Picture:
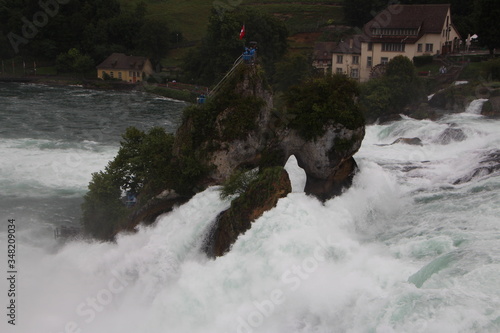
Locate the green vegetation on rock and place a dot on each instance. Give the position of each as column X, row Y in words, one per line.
column 322, row 101
column 144, row 166
column 240, row 110
column 238, row 182
column 261, row 194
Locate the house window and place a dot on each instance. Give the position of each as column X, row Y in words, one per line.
column 354, row 72
column 393, row 47
column 370, row 46
column 120, row 75
column 111, row 74
column 384, row 60
column 419, row 48
column 355, row 60
column 340, row 59
column 339, row 70
column 369, row 62
column 429, row 47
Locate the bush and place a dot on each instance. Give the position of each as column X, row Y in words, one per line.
column 102, row 209
column 238, row 182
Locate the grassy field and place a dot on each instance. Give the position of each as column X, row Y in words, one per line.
column 191, row 16
column 300, row 17
column 188, row 16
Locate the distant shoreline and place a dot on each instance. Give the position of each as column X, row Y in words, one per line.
column 98, row 84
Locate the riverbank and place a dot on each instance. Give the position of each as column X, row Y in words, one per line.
column 178, row 91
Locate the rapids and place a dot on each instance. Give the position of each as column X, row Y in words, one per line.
column 405, row 249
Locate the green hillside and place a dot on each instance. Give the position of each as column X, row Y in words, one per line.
column 191, row 16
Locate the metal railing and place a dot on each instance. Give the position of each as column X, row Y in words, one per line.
column 228, row 74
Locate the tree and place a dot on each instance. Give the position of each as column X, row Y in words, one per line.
column 222, row 46
column 142, row 166
column 487, row 27
column 291, row 71
column 154, row 39
column 102, row 208
column 359, row 12
column 318, row 102
column 390, row 94
column 74, row 61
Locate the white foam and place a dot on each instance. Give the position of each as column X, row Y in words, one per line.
column 476, row 106
column 32, row 167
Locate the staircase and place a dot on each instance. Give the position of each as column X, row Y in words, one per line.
column 453, row 70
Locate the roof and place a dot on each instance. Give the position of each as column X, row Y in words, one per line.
column 428, row 19
column 123, row 61
column 323, row 50
column 351, row 45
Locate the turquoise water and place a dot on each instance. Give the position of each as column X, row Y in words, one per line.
column 403, row 250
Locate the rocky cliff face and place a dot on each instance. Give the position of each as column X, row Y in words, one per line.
column 327, row 159
column 245, row 150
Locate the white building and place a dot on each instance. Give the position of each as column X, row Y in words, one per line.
column 409, row 30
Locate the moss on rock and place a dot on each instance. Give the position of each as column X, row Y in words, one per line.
column 261, row 195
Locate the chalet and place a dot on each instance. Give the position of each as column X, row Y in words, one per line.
column 409, row 30
column 126, row 68
column 322, row 56
column 346, row 57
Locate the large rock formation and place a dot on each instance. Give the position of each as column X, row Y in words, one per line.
column 239, row 129
column 245, row 134
column 327, row 160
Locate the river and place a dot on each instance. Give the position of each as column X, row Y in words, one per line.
column 412, row 246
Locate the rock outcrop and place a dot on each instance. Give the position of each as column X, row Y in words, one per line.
column 238, row 129
column 261, row 195
column 488, row 165
column 245, row 134
column 492, row 107
column 451, row 134
column 327, row 160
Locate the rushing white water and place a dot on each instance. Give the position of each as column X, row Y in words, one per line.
column 405, row 249
column 476, row 105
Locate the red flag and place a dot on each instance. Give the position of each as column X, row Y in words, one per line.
column 242, row 32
